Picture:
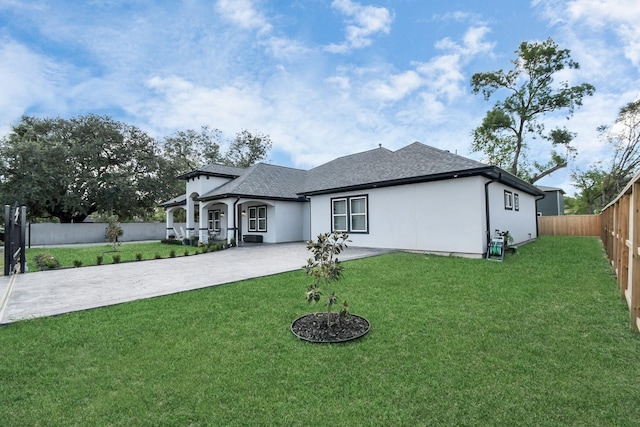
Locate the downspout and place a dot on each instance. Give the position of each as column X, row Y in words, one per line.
column 235, row 216
column 486, row 205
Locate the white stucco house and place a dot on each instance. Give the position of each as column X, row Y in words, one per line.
column 416, row 198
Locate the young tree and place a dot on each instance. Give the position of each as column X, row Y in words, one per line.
column 515, row 122
column 601, row 183
column 113, row 231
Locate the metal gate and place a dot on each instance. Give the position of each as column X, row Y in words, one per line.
column 15, row 233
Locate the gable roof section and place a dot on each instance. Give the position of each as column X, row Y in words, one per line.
column 262, row 181
column 222, row 171
column 414, row 163
column 550, row 189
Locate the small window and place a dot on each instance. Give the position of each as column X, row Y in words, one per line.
column 258, row 218
column 350, row 214
column 516, row 201
column 508, row 200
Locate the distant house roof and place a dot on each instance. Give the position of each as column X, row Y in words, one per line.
column 550, row 189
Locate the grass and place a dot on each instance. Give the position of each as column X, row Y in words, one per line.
column 87, row 255
column 541, row 339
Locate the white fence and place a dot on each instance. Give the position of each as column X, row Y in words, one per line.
column 42, row 234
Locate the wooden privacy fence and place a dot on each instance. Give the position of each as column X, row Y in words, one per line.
column 620, row 234
column 570, row 225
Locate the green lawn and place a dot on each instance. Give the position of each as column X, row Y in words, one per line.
column 541, row 339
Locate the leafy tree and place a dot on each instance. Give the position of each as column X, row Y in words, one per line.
column 513, row 123
column 69, row 169
column 248, row 149
column 602, row 182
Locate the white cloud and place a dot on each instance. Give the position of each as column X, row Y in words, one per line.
column 28, row 81
column 243, row 14
column 363, row 23
column 593, row 18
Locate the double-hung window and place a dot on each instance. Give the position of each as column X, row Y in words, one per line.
column 258, row 218
column 214, row 220
column 349, row 214
column 508, row 200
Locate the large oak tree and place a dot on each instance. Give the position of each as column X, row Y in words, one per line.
column 69, row 169
column 514, row 124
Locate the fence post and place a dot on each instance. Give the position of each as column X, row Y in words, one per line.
column 634, row 271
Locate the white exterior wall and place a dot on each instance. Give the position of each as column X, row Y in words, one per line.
column 286, row 221
column 289, row 221
column 439, row 216
column 521, row 224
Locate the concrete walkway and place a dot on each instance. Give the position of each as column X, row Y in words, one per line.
column 49, row 293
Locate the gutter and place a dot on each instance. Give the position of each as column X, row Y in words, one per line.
column 486, row 204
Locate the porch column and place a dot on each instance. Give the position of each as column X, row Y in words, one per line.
column 203, row 234
column 169, row 221
column 190, row 217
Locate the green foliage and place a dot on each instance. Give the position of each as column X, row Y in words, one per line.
column 602, row 181
column 325, row 266
column 513, row 124
column 116, row 258
column 172, row 254
column 157, row 256
column 171, row 242
column 186, row 252
column 113, row 231
column 46, row 261
column 139, row 256
column 69, row 169
column 99, row 259
column 77, row 263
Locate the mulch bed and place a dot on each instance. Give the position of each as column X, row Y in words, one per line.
column 313, row 328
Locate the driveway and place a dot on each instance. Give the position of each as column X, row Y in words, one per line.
column 55, row 292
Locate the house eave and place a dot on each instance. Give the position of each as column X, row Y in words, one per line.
column 196, row 174
column 490, row 172
column 250, row 196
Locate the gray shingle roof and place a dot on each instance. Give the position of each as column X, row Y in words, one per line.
column 262, row 180
column 381, row 165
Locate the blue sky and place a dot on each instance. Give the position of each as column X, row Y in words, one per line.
column 323, row 78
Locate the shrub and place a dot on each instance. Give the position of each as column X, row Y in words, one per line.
column 139, row 256
column 77, row 263
column 46, row 261
column 116, row 258
column 158, row 256
column 194, row 241
column 99, row 259
column 172, row 254
column 171, row 242
column 205, row 249
column 186, row 252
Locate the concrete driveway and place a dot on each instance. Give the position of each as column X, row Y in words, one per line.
column 49, row 293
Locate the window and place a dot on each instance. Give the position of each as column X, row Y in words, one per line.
column 516, row 201
column 258, row 218
column 508, row 200
column 339, row 214
column 358, row 214
column 214, row 220
column 350, row 214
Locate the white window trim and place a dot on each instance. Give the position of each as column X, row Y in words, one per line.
column 508, row 200
column 255, row 216
column 364, row 214
column 348, row 215
column 516, row 201
column 213, row 220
